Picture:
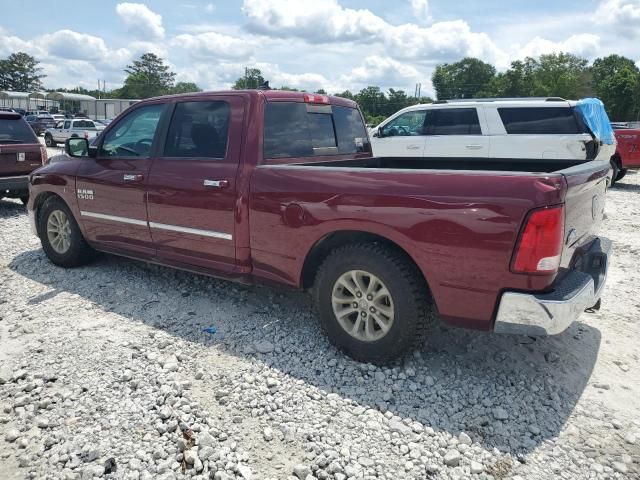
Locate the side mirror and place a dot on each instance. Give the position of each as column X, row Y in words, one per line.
column 79, row 147
column 378, row 133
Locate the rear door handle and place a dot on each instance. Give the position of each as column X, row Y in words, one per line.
column 216, row 183
column 413, row 147
column 132, row 177
column 474, row 147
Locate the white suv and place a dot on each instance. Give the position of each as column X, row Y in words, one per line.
column 496, row 128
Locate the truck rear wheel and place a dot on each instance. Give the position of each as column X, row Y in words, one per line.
column 373, row 303
column 60, row 235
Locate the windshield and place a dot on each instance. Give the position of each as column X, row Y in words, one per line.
column 16, row 131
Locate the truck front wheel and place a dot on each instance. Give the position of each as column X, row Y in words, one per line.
column 373, row 303
column 48, row 140
column 61, row 238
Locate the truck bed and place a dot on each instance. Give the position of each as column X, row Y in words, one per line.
column 450, row 163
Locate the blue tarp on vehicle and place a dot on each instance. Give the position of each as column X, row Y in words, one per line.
column 596, row 118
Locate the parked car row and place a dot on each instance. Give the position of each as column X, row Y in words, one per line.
column 293, row 194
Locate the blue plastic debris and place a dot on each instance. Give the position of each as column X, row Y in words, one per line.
column 595, row 116
column 210, row 330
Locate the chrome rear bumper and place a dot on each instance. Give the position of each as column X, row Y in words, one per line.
column 552, row 313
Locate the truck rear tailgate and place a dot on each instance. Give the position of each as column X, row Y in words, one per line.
column 584, row 206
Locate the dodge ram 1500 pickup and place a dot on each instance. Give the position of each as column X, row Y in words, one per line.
column 272, row 186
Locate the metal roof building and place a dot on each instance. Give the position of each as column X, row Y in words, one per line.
column 66, row 101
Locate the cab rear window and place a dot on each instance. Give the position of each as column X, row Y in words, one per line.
column 16, row 130
column 305, row 130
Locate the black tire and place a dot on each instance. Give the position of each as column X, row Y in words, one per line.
column 24, row 199
column 79, row 252
column 413, row 309
column 48, row 141
column 614, row 172
column 621, row 174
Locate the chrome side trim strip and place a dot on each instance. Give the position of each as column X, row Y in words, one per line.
column 159, row 226
column 193, row 231
column 113, row 218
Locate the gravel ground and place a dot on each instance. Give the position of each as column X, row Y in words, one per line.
column 113, row 370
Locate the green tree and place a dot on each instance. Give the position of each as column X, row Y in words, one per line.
column 463, row 79
column 372, row 101
column 185, row 87
column 252, row 79
column 560, row 75
column 517, row 81
column 20, row 72
column 346, row 94
column 147, row 77
column 616, row 81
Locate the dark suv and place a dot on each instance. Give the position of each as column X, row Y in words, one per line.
column 20, row 154
column 39, row 123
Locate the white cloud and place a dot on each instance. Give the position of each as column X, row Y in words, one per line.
column 141, row 21
column 622, row 14
column 420, row 10
column 209, row 8
column 584, row 45
column 211, row 45
column 328, row 21
column 376, row 70
column 315, row 21
column 74, row 45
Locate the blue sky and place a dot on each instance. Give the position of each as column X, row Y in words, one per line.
column 331, row 44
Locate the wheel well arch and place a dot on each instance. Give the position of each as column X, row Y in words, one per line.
column 39, row 202
column 323, row 247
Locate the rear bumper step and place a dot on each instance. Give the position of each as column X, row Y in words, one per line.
column 552, row 313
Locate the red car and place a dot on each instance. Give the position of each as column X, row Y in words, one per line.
column 628, row 152
column 20, row 154
column 281, row 187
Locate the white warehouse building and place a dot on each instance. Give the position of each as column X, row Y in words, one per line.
column 99, row 108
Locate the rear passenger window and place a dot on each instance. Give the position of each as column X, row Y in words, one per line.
column 304, row 130
column 541, row 121
column 453, row 121
column 198, row 130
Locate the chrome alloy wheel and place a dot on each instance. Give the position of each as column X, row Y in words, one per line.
column 362, row 305
column 59, row 231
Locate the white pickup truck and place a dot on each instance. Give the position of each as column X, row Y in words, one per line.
column 70, row 128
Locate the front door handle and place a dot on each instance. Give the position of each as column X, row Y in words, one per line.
column 474, row 147
column 128, row 177
column 216, row 183
column 413, row 147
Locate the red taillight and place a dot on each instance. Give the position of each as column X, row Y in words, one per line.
column 540, row 245
column 316, row 98
column 43, row 155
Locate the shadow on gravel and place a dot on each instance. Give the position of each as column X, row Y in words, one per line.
column 512, row 393
column 629, row 187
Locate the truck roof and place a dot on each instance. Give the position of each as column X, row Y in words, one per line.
column 269, row 95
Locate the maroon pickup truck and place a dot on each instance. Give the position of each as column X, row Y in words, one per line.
column 20, row 154
column 272, row 186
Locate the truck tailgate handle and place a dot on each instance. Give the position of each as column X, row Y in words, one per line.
column 413, row 147
column 132, row 177
column 216, row 183
column 474, row 147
